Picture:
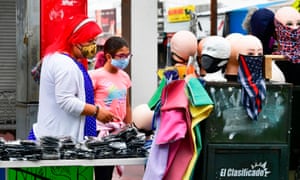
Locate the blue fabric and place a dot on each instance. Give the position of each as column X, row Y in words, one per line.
column 253, row 85
column 90, row 121
column 262, row 26
column 31, row 135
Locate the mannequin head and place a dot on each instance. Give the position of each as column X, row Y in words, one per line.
column 200, row 45
column 250, row 45
column 288, row 16
column 183, row 44
column 287, row 28
column 199, row 52
column 142, row 117
column 250, row 59
column 233, row 64
column 215, row 53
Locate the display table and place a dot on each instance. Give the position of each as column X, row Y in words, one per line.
column 74, row 162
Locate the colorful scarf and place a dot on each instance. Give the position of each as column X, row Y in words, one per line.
column 289, row 42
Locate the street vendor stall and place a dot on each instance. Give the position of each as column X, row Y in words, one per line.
column 61, row 158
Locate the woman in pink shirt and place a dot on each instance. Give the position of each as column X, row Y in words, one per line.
column 111, row 84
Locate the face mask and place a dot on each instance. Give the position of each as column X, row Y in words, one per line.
column 289, row 41
column 211, row 64
column 89, row 51
column 120, row 63
column 174, row 61
column 252, row 63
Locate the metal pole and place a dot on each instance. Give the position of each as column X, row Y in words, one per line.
column 213, row 17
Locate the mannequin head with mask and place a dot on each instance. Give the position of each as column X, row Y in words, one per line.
column 214, row 57
column 183, row 44
column 199, row 52
column 260, row 23
column 251, row 53
column 287, row 28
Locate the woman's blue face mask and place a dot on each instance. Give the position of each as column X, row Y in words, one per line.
column 120, row 63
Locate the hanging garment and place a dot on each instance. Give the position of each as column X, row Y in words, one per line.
column 158, row 156
column 189, row 174
column 196, row 93
column 200, row 108
column 198, row 114
column 253, row 85
column 175, row 129
column 157, row 94
column 168, row 75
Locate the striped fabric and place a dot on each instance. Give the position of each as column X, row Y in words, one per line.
column 250, row 76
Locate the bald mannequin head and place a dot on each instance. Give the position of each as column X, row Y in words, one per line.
column 234, row 40
column 288, row 16
column 250, row 45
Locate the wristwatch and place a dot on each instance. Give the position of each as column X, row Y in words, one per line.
column 96, row 112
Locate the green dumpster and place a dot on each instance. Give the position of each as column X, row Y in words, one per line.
column 236, row 147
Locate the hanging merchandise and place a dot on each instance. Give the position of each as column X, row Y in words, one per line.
column 253, row 85
column 181, row 106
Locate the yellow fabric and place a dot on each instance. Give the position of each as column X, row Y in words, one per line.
column 296, row 5
column 180, row 69
column 198, row 114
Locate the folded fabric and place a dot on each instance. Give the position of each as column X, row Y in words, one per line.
column 171, row 74
column 180, row 69
column 173, row 118
column 197, row 93
column 198, row 114
column 173, row 126
column 175, row 129
column 180, row 154
column 189, row 174
column 157, row 94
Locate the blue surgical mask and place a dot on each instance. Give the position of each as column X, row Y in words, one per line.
column 120, row 63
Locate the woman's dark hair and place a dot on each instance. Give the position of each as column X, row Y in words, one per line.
column 114, row 44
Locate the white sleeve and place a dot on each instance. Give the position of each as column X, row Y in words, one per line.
column 69, row 86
